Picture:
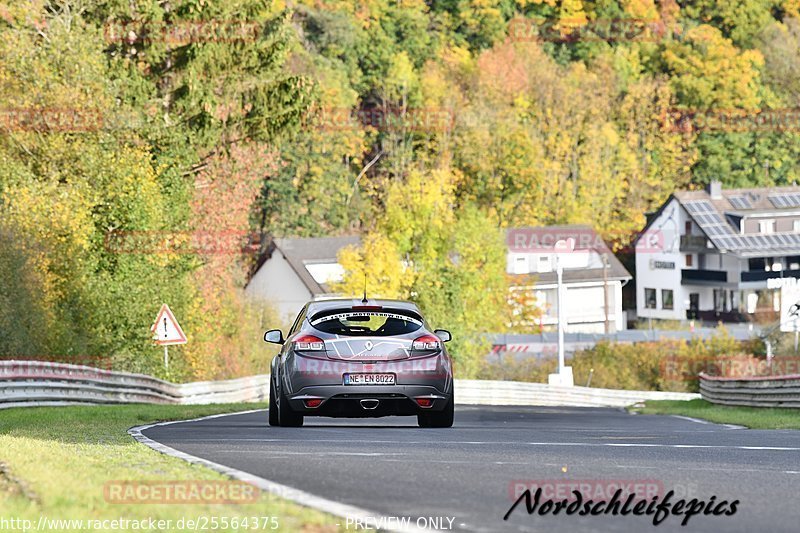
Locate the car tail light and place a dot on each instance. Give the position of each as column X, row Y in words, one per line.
column 313, row 403
column 309, row 343
column 426, row 342
column 424, row 402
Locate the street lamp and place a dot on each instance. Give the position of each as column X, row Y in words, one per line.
column 564, row 375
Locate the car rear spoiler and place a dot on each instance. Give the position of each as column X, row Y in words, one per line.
column 366, row 309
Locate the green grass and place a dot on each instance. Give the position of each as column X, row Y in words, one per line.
column 751, row 417
column 55, row 461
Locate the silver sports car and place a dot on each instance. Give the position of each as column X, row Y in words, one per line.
column 361, row 358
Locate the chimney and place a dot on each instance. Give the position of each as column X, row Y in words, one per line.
column 714, row 189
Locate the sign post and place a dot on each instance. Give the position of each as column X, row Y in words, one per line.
column 166, row 331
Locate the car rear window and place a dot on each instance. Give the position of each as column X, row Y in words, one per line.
column 367, row 323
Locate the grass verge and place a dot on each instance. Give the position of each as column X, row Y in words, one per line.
column 751, row 417
column 57, row 462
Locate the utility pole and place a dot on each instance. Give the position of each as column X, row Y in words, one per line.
column 605, row 293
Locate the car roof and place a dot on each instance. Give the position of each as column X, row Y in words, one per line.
column 339, row 303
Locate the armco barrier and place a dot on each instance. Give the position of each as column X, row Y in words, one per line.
column 484, row 392
column 768, row 391
column 25, row 383
column 36, row 383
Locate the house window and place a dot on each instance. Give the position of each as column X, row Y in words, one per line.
column 687, row 227
column 666, row 298
column 766, row 226
column 650, row 298
column 521, row 265
column 688, row 260
column 756, row 264
column 543, row 265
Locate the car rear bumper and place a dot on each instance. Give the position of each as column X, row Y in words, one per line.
column 369, row 401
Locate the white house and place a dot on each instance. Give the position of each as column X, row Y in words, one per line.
column 719, row 254
column 293, row 271
column 593, row 277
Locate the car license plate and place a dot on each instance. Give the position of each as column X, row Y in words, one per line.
column 369, row 379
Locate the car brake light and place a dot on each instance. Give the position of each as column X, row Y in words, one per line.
column 313, row 403
column 426, row 342
column 309, row 343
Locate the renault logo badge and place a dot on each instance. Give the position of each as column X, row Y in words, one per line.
column 368, row 345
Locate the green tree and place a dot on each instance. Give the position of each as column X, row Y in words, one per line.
column 452, row 263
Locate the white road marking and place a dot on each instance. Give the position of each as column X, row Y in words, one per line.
column 280, row 456
column 706, row 422
column 517, row 443
column 321, row 454
column 680, row 446
column 690, row 419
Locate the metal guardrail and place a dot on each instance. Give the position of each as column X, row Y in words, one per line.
column 26, row 383
column 37, row 383
column 768, row 391
column 485, row 392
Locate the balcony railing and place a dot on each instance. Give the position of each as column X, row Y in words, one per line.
column 693, row 243
column 716, row 316
column 702, row 277
column 763, row 275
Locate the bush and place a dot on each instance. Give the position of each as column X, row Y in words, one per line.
column 669, row 365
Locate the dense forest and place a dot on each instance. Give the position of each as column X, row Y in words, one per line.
column 427, row 127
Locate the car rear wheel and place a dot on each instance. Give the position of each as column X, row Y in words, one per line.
column 438, row 419
column 273, row 406
column 286, row 417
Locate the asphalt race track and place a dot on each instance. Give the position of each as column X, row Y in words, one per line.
column 393, row 468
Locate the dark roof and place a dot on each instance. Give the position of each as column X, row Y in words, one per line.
column 715, row 216
column 300, row 251
column 586, row 238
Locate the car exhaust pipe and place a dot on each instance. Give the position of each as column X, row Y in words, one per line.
column 370, row 404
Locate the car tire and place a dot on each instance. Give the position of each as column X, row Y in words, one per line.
column 286, row 417
column 274, row 420
column 438, row 419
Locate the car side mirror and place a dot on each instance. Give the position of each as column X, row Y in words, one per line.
column 443, row 334
column 274, row 336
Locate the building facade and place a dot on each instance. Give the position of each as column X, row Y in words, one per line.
column 592, row 275
column 719, row 254
column 294, row 271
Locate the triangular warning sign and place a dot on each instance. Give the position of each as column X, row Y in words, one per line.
column 166, row 330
